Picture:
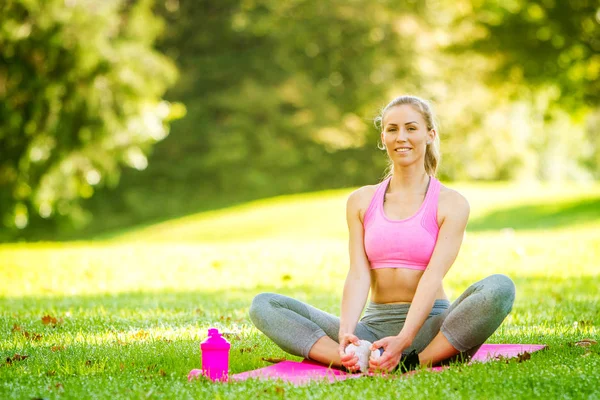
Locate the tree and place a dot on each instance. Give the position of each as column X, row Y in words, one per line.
column 520, row 75
column 280, row 98
column 80, row 91
column 544, row 43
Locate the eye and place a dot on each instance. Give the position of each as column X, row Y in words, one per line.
column 412, row 128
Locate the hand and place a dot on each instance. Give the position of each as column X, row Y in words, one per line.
column 393, row 347
column 350, row 361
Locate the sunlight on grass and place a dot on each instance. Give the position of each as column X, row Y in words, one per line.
column 134, row 308
column 322, row 215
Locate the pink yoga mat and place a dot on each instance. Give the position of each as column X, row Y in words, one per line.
column 308, row 371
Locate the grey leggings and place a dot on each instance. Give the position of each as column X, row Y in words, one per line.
column 467, row 323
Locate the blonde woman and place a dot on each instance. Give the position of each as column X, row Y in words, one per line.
column 405, row 234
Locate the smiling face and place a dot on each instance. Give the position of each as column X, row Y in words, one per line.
column 405, row 135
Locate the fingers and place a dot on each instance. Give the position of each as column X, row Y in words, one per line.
column 381, row 360
column 352, row 339
column 384, row 363
column 379, row 344
column 350, row 361
column 381, row 368
column 347, row 339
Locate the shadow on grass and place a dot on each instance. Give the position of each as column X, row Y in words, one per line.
column 110, row 221
column 539, row 216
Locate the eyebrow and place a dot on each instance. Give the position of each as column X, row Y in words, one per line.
column 407, row 123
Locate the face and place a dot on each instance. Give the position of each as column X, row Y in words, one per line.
column 405, row 135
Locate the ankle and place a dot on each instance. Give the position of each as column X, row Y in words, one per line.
column 409, row 362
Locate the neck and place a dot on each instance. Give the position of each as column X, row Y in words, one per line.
column 408, row 179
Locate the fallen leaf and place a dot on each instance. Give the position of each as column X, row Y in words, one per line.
column 57, row 348
column 32, row 336
column 248, row 349
column 16, row 357
column 50, row 320
column 273, row 360
column 524, row 357
column 586, row 343
column 121, row 366
column 88, row 363
column 279, row 390
column 16, row 328
column 231, row 335
column 162, row 372
column 47, row 320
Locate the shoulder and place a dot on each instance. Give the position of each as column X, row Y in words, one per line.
column 452, row 204
column 359, row 200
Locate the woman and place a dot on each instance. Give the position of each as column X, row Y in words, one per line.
column 405, row 234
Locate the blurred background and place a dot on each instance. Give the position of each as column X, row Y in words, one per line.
column 121, row 113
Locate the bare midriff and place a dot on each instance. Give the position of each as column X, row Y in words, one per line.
column 397, row 285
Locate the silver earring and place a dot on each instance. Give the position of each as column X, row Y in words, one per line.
column 380, row 146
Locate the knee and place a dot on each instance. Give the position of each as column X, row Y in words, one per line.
column 503, row 291
column 260, row 306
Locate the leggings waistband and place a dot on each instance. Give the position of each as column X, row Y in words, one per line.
column 439, row 303
column 381, row 312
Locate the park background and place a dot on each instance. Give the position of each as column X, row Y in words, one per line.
column 156, row 154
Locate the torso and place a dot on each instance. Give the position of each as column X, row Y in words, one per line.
column 398, row 285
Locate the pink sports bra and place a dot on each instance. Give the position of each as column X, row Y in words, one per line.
column 406, row 243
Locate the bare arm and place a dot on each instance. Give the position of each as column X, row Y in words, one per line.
column 455, row 214
column 358, row 280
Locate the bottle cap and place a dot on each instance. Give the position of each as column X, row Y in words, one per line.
column 215, row 341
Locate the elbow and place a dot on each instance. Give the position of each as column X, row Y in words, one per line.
column 360, row 275
column 433, row 277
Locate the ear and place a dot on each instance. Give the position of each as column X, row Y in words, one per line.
column 431, row 135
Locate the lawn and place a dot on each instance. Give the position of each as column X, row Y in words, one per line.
column 122, row 316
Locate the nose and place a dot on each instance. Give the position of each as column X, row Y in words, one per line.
column 402, row 135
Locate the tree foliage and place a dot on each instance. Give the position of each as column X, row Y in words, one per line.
column 80, row 90
column 548, row 43
column 280, row 97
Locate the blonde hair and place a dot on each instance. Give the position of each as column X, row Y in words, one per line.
column 432, row 151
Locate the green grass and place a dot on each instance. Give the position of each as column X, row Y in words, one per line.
column 135, row 305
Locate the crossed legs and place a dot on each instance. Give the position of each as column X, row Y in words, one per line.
column 458, row 332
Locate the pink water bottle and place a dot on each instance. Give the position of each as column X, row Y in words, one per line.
column 215, row 356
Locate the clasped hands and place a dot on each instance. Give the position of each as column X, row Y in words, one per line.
column 389, row 359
